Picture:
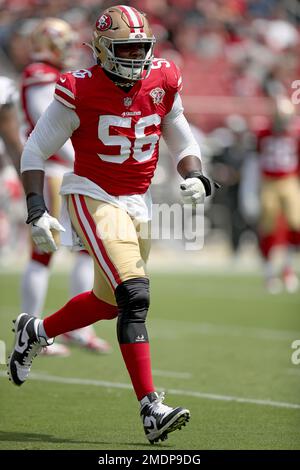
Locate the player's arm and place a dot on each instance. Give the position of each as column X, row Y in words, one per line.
column 38, row 98
column 53, row 129
column 9, row 131
column 183, row 146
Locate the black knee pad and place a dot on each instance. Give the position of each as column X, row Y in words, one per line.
column 133, row 301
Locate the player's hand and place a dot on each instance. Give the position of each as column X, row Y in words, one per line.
column 41, row 232
column 196, row 187
column 193, row 191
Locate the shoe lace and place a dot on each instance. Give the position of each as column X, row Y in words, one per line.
column 33, row 350
column 158, row 407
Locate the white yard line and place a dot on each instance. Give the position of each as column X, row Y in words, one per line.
column 175, row 375
column 187, row 393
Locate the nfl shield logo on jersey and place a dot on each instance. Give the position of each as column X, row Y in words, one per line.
column 157, row 94
column 127, row 101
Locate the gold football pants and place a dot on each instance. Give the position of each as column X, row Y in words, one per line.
column 280, row 196
column 118, row 244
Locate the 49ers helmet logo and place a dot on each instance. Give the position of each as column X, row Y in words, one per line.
column 104, row 22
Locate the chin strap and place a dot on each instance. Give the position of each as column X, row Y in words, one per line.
column 124, row 85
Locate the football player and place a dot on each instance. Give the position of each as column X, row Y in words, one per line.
column 9, row 124
column 278, row 147
column 52, row 40
column 115, row 113
column 10, row 153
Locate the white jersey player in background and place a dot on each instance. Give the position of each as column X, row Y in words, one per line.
column 51, row 40
column 9, row 125
column 11, row 190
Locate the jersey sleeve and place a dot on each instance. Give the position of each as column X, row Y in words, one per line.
column 172, row 82
column 173, row 78
column 38, row 74
column 65, row 90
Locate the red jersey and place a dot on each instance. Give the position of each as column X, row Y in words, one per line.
column 279, row 153
column 116, row 143
column 35, row 75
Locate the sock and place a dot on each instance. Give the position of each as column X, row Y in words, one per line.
column 41, row 331
column 137, row 359
column 294, row 238
column 81, row 280
column 42, row 258
column 147, row 399
column 34, row 286
column 288, row 258
column 82, row 310
column 82, row 275
column 269, row 270
column 266, row 243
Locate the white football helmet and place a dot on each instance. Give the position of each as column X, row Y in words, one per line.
column 52, row 40
column 122, row 24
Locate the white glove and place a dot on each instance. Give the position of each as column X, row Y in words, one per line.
column 193, row 191
column 41, row 232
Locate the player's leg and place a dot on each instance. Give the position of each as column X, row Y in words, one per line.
column 167, row 419
column 111, row 236
column 34, row 283
column 33, row 334
column 290, row 199
column 82, row 274
column 269, row 216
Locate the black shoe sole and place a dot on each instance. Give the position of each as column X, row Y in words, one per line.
column 178, row 424
column 16, row 382
column 10, row 377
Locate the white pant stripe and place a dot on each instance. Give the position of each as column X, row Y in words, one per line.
column 132, row 16
column 93, row 242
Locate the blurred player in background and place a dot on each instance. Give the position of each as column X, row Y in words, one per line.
column 115, row 113
column 230, row 149
column 278, row 147
column 9, row 124
column 11, row 191
column 52, row 41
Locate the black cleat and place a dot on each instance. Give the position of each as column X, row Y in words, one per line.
column 159, row 419
column 28, row 345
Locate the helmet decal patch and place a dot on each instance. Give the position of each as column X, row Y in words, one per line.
column 104, row 22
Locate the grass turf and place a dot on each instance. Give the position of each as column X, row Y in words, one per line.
column 210, row 335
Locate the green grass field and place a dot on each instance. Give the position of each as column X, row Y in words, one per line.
column 220, row 346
